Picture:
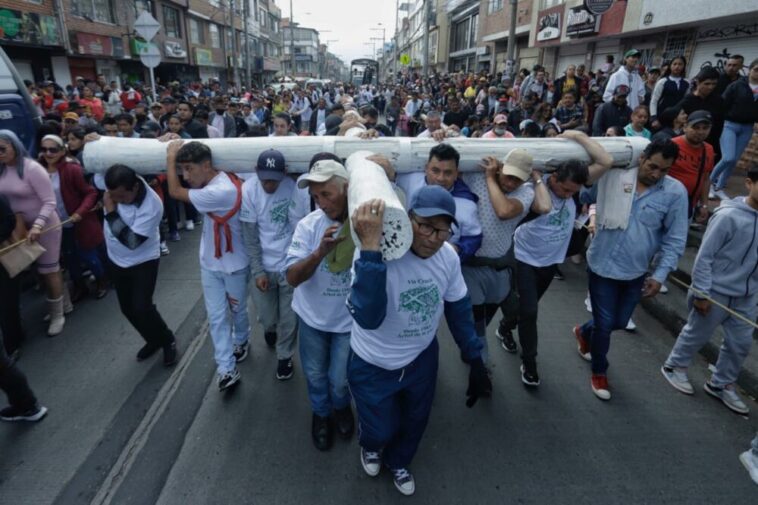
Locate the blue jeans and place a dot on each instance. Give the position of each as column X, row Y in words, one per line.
column 613, row 302
column 324, row 357
column 734, row 140
column 394, row 405
column 226, row 304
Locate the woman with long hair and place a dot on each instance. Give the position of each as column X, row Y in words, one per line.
column 669, row 90
column 30, row 193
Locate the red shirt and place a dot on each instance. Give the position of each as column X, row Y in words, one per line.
column 130, row 99
column 687, row 167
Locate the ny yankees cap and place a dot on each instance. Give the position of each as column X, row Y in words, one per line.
column 270, row 165
column 322, row 171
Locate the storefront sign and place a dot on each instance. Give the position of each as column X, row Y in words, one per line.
column 28, row 28
column 175, row 50
column 549, row 26
column 598, row 7
column 138, row 47
column 203, row 57
column 99, row 45
column 580, row 21
column 271, row 65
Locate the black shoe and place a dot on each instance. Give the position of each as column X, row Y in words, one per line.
column 559, row 275
column 228, row 379
column 169, row 354
column 345, row 422
column 285, row 370
column 146, row 351
column 15, row 414
column 506, row 340
column 270, row 337
column 529, row 375
column 241, row 351
column 322, row 432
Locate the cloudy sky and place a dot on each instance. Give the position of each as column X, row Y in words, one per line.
column 349, row 23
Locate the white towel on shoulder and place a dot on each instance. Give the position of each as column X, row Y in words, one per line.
column 615, row 196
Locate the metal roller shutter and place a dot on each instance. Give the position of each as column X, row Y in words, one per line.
column 715, row 53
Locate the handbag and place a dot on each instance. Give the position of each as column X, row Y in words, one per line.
column 18, row 258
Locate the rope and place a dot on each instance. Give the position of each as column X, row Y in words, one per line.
column 51, row 228
column 721, row 305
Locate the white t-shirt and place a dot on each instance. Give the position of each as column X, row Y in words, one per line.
column 319, row 301
column 544, row 241
column 271, row 212
column 497, row 234
column 219, row 197
column 416, row 291
column 143, row 219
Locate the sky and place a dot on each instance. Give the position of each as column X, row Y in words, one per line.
column 349, row 22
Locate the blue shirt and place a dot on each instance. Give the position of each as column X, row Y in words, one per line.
column 657, row 224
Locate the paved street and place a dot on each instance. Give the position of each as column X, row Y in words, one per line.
column 135, row 433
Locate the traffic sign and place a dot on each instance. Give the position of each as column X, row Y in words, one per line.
column 146, row 26
column 150, row 56
column 405, row 59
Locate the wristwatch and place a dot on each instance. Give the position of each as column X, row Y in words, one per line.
column 538, row 181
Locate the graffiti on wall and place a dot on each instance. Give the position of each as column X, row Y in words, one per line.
column 729, row 32
column 719, row 61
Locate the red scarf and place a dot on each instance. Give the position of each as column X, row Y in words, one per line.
column 222, row 222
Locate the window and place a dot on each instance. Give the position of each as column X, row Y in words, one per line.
column 262, row 17
column 171, row 24
column 494, row 6
column 141, row 6
column 474, row 30
column 546, row 4
column 228, row 40
column 215, row 39
column 96, row 10
column 197, row 35
column 273, row 24
column 461, row 35
column 676, row 44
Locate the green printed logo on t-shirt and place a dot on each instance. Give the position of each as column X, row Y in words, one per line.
column 422, row 302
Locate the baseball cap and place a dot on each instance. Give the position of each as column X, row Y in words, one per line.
column 518, row 163
column 79, row 78
column 151, row 126
column 500, row 118
column 322, row 171
column 433, row 200
column 168, row 99
column 699, row 116
column 632, row 52
column 270, row 166
column 71, row 115
column 621, row 90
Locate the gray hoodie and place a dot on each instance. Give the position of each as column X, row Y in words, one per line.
column 727, row 262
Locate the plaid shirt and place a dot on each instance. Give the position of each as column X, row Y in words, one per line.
column 564, row 115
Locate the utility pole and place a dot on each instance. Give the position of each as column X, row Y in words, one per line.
column 510, row 66
column 427, row 16
column 248, row 68
column 235, row 69
column 292, row 41
column 395, row 55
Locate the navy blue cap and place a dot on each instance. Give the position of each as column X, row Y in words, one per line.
column 433, row 200
column 699, row 116
column 270, row 165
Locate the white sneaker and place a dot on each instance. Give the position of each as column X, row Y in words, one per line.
column 750, row 462
column 664, row 289
column 404, row 481
column 164, row 249
column 721, row 195
column 371, row 462
column 728, row 396
column 588, row 304
column 189, row 225
column 630, row 326
column 677, row 377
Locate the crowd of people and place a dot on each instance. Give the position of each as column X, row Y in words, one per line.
column 481, row 243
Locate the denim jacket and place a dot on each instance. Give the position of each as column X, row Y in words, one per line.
column 657, row 225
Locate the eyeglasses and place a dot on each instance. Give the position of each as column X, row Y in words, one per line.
column 51, row 150
column 428, row 230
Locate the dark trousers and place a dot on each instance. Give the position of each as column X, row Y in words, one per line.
column 531, row 284
column 613, row 302
column 10, row 312
column 393, row 405
column 13, row 382
column 134, row 287
column 483, row 315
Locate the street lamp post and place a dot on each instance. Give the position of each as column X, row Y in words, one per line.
column 384, row 56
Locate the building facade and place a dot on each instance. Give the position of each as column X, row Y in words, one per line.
column 306, row 50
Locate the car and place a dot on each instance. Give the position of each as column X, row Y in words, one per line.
column 17, row 110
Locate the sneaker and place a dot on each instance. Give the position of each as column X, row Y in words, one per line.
column 530, row 377
column 345, row 422
column 371, row 462
column 581, row 344
column 15, row 414
column 588, row 304
column 322, row 432
column 270, row 338
column 558, row 276
column 630, row 326
column 285, row 370
column 170, row 354
column 164, row 249
column 189, row 225
column 600, row 386
column 404, row 481
column 506, row 341
column 146, row 351
column 241, row 351
column 664, row 289
column 228, row 379
column 174, row 236
column 728, row 395
column 721, row 195
column 750, row 462
column 677, row 377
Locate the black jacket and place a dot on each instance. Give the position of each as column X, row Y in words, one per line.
column 196, row 130
column 739, row 104
column 609, row 114
column 7, row 217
